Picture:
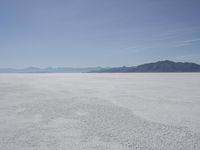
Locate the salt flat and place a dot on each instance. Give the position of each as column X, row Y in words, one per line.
column 100, row 111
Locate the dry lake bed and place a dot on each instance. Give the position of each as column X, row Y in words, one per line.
column 149, row 111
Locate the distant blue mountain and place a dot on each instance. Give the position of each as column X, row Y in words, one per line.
column 160, row 66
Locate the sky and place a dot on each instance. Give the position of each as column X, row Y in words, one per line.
column 89, row 33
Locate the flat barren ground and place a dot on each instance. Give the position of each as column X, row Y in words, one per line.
column 100, row 111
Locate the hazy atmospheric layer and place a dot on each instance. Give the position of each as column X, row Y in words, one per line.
column 100, row 111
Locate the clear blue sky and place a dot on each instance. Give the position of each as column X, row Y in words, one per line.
column 81, row 33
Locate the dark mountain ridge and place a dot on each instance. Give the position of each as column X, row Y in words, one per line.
column 160, row 66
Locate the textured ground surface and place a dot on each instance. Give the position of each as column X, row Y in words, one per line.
column 99, row 111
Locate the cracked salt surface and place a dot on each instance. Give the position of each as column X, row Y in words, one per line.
column 99, row 111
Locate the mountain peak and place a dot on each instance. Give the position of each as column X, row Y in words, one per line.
column 166, row 61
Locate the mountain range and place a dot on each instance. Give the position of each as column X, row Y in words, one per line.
column 160, row 66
